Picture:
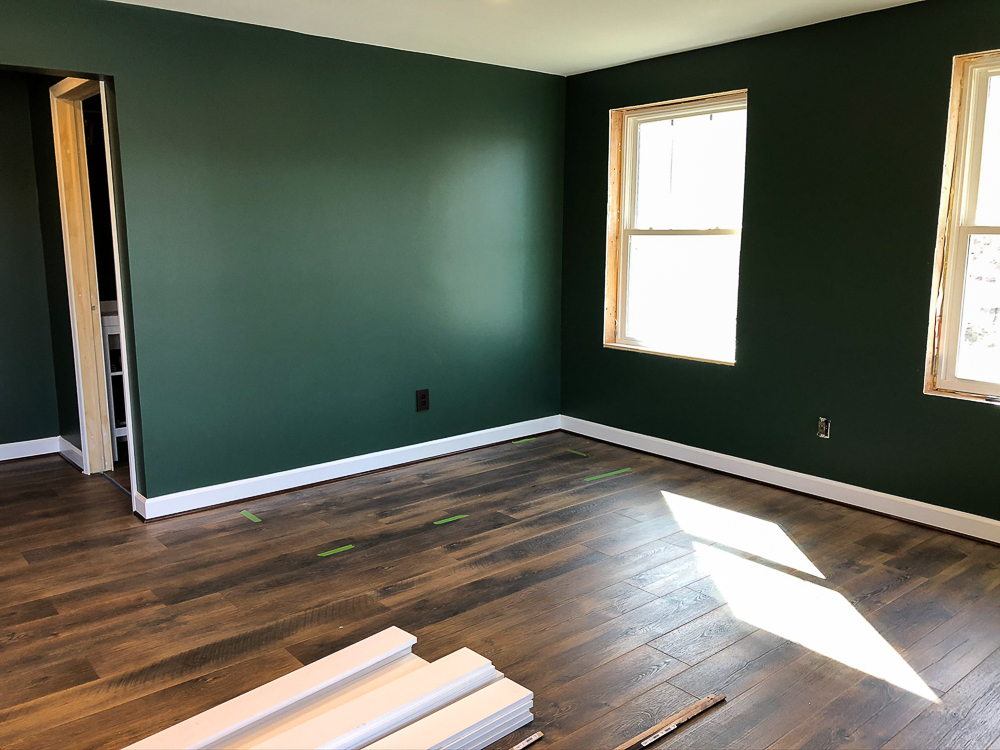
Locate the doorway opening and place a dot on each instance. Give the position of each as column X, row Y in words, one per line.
column 90, row 233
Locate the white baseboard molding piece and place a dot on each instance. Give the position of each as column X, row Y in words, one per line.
column 260, row 732
column 342, row 669
column 29, row 448
column 139, row 504
column 466, row 722
column 71, row 453
column 493, row 730
column 205, row 497
column 496, row 732
column 384, row 710
column 955, row 521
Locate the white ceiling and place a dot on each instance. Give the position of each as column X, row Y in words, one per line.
column 552, row 36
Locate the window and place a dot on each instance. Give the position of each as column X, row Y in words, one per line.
column 675, row 215
column 964, row 345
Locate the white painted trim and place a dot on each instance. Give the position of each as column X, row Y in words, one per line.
column 72, row 454
column 339, row 668
column 465, row 721
column 204, row 497
column 28, row 448
column 946, row 519
column 489, row 736
column 938, row 517
column 391, row 707
column 120, row 297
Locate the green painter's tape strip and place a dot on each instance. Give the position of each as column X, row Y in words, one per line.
column 524, row 440
column 335, row 551
column 609, row 474
column 576, row 452
column 250, row 515
column 449, row 520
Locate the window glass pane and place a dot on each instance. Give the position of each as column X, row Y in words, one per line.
column 988, row 204
column 979, row 341
column 681, row 296
column 690, row 172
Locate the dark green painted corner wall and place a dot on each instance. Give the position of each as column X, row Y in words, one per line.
column 316, row 229
column 28, row 408
column 846, row 141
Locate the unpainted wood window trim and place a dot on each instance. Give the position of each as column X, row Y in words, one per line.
column 970, row 74
column 620, row 199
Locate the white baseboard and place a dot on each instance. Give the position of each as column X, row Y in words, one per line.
column 938, row 517
column 71, row 453
column 139, row 504
column 204, row 497
column 28, row 448
column 946, row 519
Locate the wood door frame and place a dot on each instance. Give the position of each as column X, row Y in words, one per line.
column 96, row 430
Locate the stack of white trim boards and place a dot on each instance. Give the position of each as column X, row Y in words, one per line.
column 375, row 694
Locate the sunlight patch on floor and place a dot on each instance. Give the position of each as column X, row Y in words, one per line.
column 754, row 536
column 810, row 614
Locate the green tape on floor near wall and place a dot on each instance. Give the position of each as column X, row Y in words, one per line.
column 570, row 450
column 250, row 515
column 523, row 440
column 609, row 474
column 335, row 551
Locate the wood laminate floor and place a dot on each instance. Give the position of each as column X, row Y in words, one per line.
column 617, row 605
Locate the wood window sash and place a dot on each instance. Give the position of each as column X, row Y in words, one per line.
column 955, row 223
column 619, row 225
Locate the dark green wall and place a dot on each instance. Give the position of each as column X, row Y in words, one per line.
column 845, row 144
column 315, row 230
column 27, row 382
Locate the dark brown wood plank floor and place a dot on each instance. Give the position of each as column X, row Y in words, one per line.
column 843, row 630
